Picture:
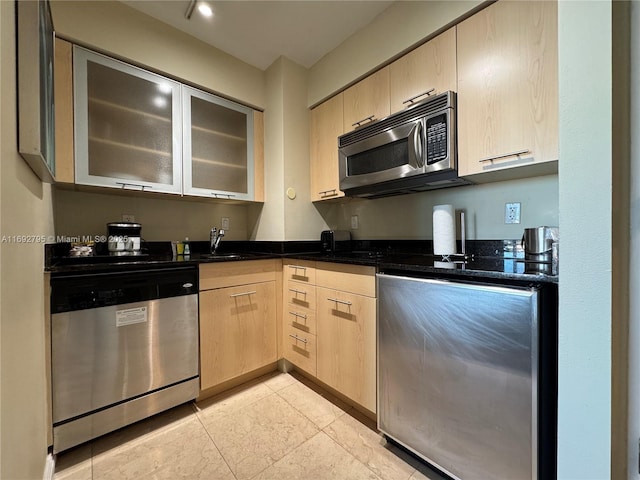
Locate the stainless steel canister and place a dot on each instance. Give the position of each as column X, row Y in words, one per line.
column 537, row 243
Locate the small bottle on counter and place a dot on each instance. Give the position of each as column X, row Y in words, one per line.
column 187, row 247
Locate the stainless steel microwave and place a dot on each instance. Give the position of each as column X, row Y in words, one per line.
column 409, row 151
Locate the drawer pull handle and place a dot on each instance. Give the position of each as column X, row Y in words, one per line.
column 343, row 302
column 303, row 340
column 511, row 154
column 329, row 193
column 299, row 315
column 242, row 294
column 427, row 93
column 368, row 119
column 297, row 267
column 301, row 292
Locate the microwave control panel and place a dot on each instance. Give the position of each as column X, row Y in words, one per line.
column 436, row 128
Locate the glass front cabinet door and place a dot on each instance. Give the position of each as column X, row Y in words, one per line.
column 218, row 151
column 127, row 126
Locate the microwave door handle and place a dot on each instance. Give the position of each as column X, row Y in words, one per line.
column 416, row 159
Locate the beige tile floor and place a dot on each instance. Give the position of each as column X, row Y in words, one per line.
column 279, row 427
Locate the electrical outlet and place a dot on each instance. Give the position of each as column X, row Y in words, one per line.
column 354, row 222
column 128, row 217
column 512, row 213
column 225, row 223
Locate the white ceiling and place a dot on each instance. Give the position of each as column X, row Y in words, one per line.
column 258, row 32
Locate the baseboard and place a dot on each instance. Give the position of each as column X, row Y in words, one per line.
column 49, row 467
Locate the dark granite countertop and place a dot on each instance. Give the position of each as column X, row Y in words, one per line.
column 498, row 268
column 488, row 260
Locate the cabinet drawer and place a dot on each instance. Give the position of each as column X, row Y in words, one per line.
column 300, row 295
column 300, row 271
column 300, row 318
column 228, row 274
column 356, row 279
column 300, row 349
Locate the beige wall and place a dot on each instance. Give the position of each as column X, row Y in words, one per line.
column 401, row 26
column 410, row 216
column 25, row 209
column 268, row 220
column 286, row 159
column 122, row 31
column 163, row 217
column 634, row 258
column 302, row 220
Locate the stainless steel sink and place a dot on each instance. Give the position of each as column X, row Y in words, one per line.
column 220, row 256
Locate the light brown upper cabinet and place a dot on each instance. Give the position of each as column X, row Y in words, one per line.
column 63, row 91
column 508, row 91
column 367, row 100
column 428, row 70
column 325, row 127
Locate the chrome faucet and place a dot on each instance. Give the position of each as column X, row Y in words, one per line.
column 214, row 239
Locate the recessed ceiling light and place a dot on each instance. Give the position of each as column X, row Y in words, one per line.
column 205, row 10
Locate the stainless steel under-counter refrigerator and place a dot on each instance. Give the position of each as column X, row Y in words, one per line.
column 467, row 377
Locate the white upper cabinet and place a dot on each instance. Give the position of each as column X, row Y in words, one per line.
column 218, row 151
column 127, row 126
column 136, row 130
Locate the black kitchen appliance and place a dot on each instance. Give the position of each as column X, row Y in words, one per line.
column 335, row 241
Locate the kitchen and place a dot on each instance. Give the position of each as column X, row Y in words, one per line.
column 589, row 433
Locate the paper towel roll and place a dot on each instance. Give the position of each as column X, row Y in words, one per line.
column 444, row 230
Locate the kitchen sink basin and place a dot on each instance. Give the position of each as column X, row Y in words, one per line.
column 220, row 256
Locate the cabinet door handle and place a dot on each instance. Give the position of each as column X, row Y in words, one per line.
column 427, row 93
column 297, row 267
column 342, row 302
column 242, row 294
column 297, row 338
column 299, row 315
column 496, row 157
column 301, row 292
column 368, row 119
column 222, row 195
column 123, row 185
column 329, row 193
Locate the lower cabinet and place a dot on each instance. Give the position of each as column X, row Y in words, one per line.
column 347, row 344
column 330, row 326
column 237, row 323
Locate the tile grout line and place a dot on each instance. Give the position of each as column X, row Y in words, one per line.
column 351, row 454
column 91, row 461
column 195, row 412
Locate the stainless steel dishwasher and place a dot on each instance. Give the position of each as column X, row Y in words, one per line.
column 466, row 375
column 124, row 346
